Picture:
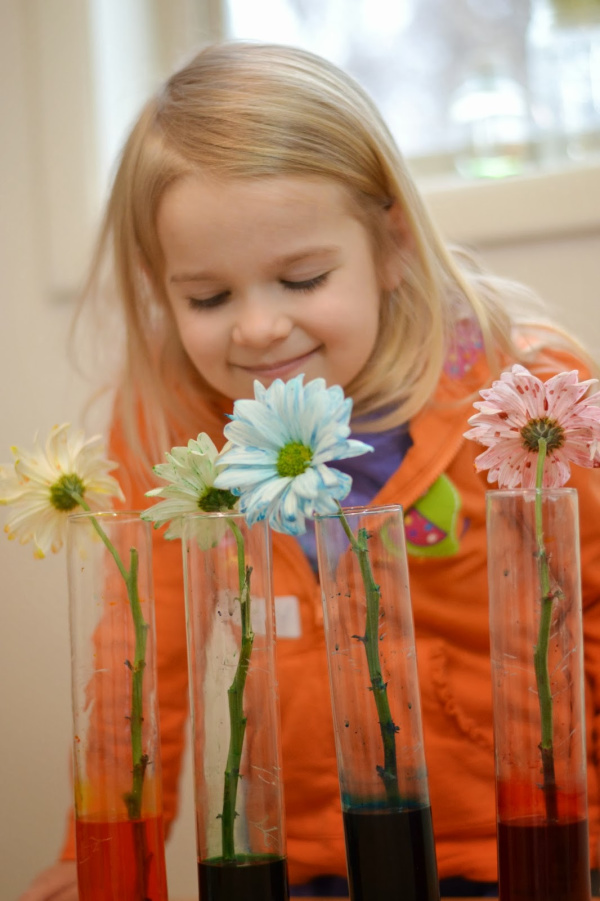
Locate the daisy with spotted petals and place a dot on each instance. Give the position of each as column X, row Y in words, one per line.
column 533, row 431
column 526, row 423
column 44, row 485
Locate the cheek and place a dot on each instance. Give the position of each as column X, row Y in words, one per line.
column 357, row 312
column 196, row 339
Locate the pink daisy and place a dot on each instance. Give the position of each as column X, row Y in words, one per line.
column 518, row 410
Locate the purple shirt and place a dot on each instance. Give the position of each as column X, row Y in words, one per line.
column 369, row 472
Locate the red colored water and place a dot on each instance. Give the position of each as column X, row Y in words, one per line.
column 544, row 861
column 122, row 860
column 525, row 798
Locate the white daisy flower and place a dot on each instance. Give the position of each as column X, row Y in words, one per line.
column 45, row 485
column 279, row 444
column 191, row 472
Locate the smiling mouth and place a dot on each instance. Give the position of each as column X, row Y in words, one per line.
column 281, row 366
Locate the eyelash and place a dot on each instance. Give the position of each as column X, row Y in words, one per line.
column 308, row 285
column 209, row 303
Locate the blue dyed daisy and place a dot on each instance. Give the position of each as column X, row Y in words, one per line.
column 279, row 445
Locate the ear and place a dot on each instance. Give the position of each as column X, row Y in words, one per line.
column 399, row 242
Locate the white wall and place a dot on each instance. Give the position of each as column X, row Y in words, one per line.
column 47, row 166
column 40, row 388
column 543, row 230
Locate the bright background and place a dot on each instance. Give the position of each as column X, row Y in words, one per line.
column 72, row 75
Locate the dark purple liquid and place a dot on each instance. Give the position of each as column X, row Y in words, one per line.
column 253, row 879
column 544, row 862
column 391, row 855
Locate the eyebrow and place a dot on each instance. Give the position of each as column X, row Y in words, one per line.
column 285, row 260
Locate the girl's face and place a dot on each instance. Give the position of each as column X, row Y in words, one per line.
column 267, row 279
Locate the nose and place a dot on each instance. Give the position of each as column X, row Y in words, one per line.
column 260, row 322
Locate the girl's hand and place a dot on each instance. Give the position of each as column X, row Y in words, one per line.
column 57, row 883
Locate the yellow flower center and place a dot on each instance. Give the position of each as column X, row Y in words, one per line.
column 216, row 499
column 293, row 459
column 545, row 428
column 66, row 493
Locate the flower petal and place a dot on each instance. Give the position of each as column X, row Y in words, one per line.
column 519, row 401
column 26, row 486
column 288, row 413
column 190, row 472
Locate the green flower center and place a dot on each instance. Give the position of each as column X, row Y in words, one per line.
column 542, row 428
column 293, row 459
column 62, row 492
column 214, row 500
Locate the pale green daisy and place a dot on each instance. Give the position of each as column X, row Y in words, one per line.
column 190, row 472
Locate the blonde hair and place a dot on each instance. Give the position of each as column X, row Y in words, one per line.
column 246, row 110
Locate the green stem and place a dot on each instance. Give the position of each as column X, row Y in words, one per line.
column 389, row 771
column 540, row 656
column 133, row 799
column 235, row 694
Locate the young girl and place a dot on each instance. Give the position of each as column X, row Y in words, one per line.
column 262, row 224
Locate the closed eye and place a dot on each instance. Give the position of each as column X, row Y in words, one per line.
column 308, row 284
column 206, row 303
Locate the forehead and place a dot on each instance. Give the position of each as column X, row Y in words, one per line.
column 220, row 216
column 265, row 199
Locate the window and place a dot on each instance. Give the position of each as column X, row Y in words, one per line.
column 485, row 88
column 482, row 87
